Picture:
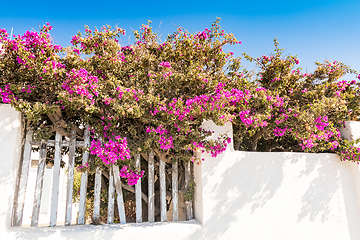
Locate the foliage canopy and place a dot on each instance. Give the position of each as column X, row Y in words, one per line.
column 154, row 96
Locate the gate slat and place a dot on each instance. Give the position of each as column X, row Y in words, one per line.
column 39, row 185
column 175, row 200
column 70, row 179
column 138, row 192
column 151, row 208
column 19, row 198
column 110, row 215
column 162, row 192
column 84, row 178
column 56, row 180
column 189, row 208
column 97, row 190
column 119, row 194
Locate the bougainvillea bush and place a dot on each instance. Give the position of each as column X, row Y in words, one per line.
column 296, row 111
column 153, row 95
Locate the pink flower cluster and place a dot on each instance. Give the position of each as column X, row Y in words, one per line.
column 166, row 140
column 333, row 67
column 110, row 151
column 275, row 79
column 136, row 93
column 32, row 40
column 321, row 122
column 283, row 117
column 52, row 65
column 122, row 31
column 83, row 168
column 307, row 144
column 327, row 136
column 187, row 110
column 266, row 58
column 167, row 74
column 351, row 154
column 6, row 94
column 314, row 138
column 28, row 89
column 47, row 27
column 245, row 118
column 279, row 132
column 20, row 61
column 216, row 148
column 203, row 35
column 3, row 34
column 342, row 85
column 75, row 40
column 132, row 177
column 279, row 101
column 165, row 64
column 81, row 83
column 30, row 46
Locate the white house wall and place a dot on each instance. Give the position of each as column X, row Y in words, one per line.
column 278, row 196
column 10, row 146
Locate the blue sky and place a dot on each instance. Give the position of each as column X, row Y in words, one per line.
column 313, row 30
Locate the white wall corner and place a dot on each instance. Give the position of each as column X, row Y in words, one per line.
column 200, row 168
column 217, row 130
column 10, row 148
column 351, row 130
column 198, row 199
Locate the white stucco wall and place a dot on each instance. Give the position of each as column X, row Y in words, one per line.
column 10, row 146
column 278, row 196
column 253, row 195
column 239, row 195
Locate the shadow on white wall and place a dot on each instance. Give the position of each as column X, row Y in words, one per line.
column 254, row 195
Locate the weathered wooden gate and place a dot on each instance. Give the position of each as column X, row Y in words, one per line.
column 115, row 185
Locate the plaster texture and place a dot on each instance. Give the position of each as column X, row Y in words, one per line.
column 10, row 147
column 254, row 195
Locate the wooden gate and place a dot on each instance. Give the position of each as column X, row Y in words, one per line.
column 156, row 167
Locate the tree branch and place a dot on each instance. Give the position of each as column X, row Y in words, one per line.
column 128, row 187
column 256, row 138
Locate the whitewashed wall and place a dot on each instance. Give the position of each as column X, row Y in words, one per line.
column 10, row 146
column 252, row 195
column 239, row 195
